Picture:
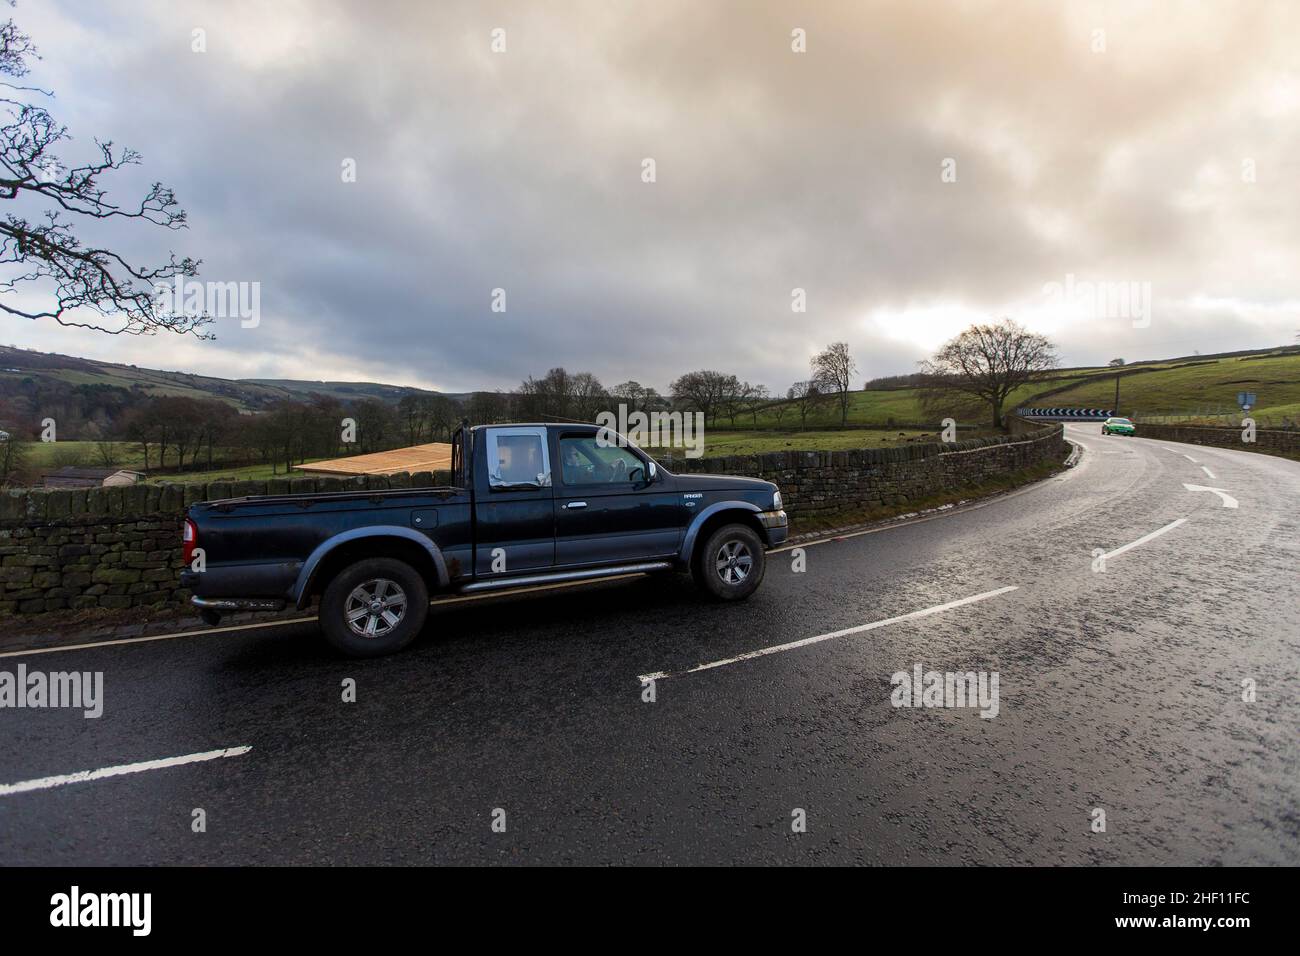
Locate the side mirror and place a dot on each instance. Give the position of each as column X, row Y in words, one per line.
column 654, row 472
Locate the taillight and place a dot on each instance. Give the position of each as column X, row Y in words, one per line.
column 189, row 541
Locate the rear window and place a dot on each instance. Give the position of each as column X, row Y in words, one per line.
column 517, row 457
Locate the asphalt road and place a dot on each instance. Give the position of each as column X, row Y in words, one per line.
column 1119, row 690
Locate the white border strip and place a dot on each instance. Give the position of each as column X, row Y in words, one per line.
column 47, row 783
column 763, row 652
column 258, row 625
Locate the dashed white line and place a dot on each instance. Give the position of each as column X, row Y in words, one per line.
column 763, row 652
column 48, row 783
column 1207, row 471
column 1144, row 539
column 1189, row 458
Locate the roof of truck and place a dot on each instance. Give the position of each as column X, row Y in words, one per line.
column 475, row 428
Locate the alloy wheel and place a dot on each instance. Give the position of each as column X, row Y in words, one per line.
column 375, row 607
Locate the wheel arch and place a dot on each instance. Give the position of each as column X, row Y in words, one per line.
column 715, row 516
column 386, row 541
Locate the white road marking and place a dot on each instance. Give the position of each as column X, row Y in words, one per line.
column 155, row 637
column 763, row 652
column 1228, row 500
column 47, row 783
column 257, row 625
column 1144, row 539
column 1207, row 471
column 1189, row 458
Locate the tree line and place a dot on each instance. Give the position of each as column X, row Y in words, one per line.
column 978, row 369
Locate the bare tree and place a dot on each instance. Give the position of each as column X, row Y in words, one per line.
column 486, row 408
column 633, row 394
column 779, row 409
column 807, row 397
column 833, row 370
column 414, row 413
column 588, row 397
column 704, row 391
column 88, row 286
column 107, row 453
column 988, row 363
column 754, row 399
column 13, row 459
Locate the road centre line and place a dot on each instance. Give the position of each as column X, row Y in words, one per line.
column 1144, row 539
column 861, row 628
column 1207, row 471
column 81, row 776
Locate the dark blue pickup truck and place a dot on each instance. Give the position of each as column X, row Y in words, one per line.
column 529, row 504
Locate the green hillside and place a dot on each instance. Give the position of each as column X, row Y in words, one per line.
column 1191, row 386
column 1200, row 388
column 343, row 391
column 21, row 367
column 1194, row 386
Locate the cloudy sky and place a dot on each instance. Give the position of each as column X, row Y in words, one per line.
column 920, row 166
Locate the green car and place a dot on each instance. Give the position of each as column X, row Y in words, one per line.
column 1118, row 426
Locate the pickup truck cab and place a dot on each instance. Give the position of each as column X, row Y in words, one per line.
column 528, row 504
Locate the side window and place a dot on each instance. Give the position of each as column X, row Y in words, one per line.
column 517, row 457
column 584, row 461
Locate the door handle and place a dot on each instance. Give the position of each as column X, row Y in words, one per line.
column 576, row 504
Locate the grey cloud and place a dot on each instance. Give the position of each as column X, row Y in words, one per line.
column 775, row 170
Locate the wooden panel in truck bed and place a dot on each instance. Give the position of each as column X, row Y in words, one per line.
column 435, row 456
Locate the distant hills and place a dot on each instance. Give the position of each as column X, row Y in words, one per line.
column 89, row 396
column 21, row 369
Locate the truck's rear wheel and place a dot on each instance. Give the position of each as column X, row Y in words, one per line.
column 731, row 562
column 374, row 607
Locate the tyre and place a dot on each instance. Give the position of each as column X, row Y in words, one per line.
column 374, row 607
column 1105, row 430
column 730, row 564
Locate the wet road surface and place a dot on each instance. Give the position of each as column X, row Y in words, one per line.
column 1120, row 691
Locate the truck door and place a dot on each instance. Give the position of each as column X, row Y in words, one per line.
column 607, row 508
column 513, row 508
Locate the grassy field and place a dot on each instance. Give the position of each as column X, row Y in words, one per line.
column 249, row 473
column 1197, row 389
column 1197, row 386
column 48, row 456
column 43, row 457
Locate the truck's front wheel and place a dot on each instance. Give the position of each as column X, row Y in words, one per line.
column 730, row 565
column 374, row 607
